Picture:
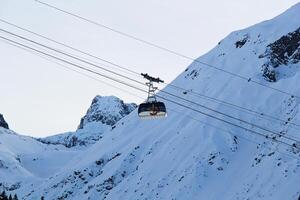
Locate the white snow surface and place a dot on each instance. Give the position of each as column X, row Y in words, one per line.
column 186, row 155
column 24, row 160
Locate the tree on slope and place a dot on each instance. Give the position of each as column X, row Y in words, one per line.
column 3, row 196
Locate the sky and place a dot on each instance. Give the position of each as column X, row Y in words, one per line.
column 41, row 98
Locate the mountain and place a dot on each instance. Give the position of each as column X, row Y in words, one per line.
column 105, row 110
column 102, row 116
column 3, row 123
column 189, row 155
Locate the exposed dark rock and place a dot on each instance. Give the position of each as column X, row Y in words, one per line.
column 269, row 73
column 193, row 74
column 284, row 51
column 242, row 42
column 3, row 122
column 2, row 165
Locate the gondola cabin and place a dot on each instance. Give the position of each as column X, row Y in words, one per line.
column 152, row 110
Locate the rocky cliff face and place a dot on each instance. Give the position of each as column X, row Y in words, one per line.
column 3, row 123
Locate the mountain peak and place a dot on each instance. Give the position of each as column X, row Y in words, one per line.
column 3, row 123
column 103, row 114
column 106, row 110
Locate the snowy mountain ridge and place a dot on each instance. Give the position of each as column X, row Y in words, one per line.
column 192, row 156
column 102, row 115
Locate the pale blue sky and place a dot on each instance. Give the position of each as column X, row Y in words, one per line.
column 39, row 98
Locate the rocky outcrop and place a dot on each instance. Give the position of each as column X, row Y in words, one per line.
column 242, row 42
column 3, row 123
column 284, row 51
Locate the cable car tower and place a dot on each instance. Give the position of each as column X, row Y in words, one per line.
column 152, row 108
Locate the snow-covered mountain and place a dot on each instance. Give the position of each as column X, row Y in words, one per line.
column 192, row 156
column 102, row 116
column 105, row 110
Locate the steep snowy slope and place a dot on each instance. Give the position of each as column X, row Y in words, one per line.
column 191, row 156
column 102, row 115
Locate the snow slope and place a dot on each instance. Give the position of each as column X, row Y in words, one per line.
column 24, row 160
column 102, row 115
column 191, row 156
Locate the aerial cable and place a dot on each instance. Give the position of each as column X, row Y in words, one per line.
column 260, row 114
column 84, row 61
column 66, row 54
column 74, row 57
column 225, row 121
column 132, row 94
column 113, row 86
column 73, row 70
column 247, row 79
column 227, row 115
column 68, row 46
column 174, row 102
column 274, row 140
column 232, row 117
column 231, row 133
column 70, row 63
column 288, row 137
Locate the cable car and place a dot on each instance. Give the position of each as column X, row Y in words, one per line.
column 152, row 108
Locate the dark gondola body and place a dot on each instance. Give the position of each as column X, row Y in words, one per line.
column 152, row 110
